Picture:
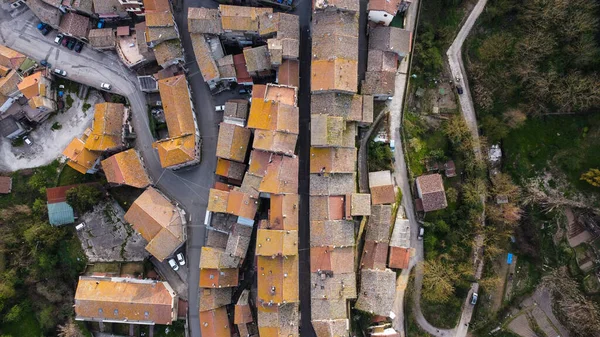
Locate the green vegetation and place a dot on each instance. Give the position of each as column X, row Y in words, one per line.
column 18, row 142
column 70, row 176
column 412, row 328
column 86, row 106
column 117, row 99
column 152, row 123
column 68, row 101
column 423, row 143
column 37, row 283
column 56, row 126
column 379, row 157
column 125, row 195
column 83, row 198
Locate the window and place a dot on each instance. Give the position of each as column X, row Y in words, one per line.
column 116, row 312
column 100, row 311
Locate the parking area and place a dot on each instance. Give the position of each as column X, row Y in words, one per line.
column 105, row 237
column 48, row 142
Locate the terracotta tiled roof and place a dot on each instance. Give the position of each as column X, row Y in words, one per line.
column 242, row 311
column 251, row 184
column 257, row 59
column 125, row 299
column 336, row 75
column 382, row 188
column 219, row 278
column 242, row 204
column 5, row 185
column 380, row 221
column 276, row 321
column 215, row 323
column 338, row 259
column 226, row 66
column 217, row 201
column 213, row 298
column 126, row 168
column 30, row 85
column 275, row 141
column 75, row 25
column 327, row 309
column 281, row 25
column 240, row 18
column 159, row 19
column 376, row 291
column 237, row 108
column 102, row 38
column 241, row 72
column 58, row 194
column 340, row 286
column 374, row 255
column 382, row 61
column 230, row 169
column 157, row 5
column 216, row 239
column 233, row 142
column 204, row 21
column 10, row 58
column 332, row 160
column 215, row 258
column 281, row 93
column 239, row 241
column 259, row 161
column 331, row 327
column 326, row 130
column 176, row 151
column 361, row 204
column 157, row 35
column 332, row 184
column 8, row 84
column 341, row 105
column 176, row 102
column 80, row 158
column 399, row 257
column 107, row 129
column 168, row 52
column 389, row 6
column 338, row 233
column 379, row 83
column 327, row 207
column 276, row 242
column 277, row 279
column 269, row 115
column 431, row 191
column 288, row 73
column 284, row 211
column 206, row 63
column 281, row 175
column 391, row 39
column 157, row 221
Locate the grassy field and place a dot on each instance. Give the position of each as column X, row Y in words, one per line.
column 70, row 176
column 27, row 325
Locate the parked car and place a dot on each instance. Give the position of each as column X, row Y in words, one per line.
column 245, row 91
column 105, row 86
column 65, row 41
column 58, row 38
column 100, row 24
column 78, row 46
column 173, row 264
column 219, row 108
column 41, row 26
column 421, row 233
column 459, row 89
column 474, row 298
column 71, row 44
column 80, row 226
column 290, row 2
column 45, row 63
column 180, row 259
column 60, row 72
column 44, row 28
column 27, row 141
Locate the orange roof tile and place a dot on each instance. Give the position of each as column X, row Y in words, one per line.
column 218, row 278
column 9, row 83
column 259, row 160
column 10, row 58
column 337, row 74
column 127, row 300
column 399, row 257
column 270, row 115
column 157, row 5
column 374, row 255
column 276, row 242
column 338, row 259
column 230, row 169
column 281, row 175
column 126, row 168
column 240, row 18
column 277, row 321
column 242, row 204
column 204, row 58
column 233, row 142
column 217, row 200
column 282, row 93
column 284, row 211
column 215, row 323
column 177, row 150
column 29, row 86
column 275, row 141
column 107, row 129
column 216, row 258
column 176, row 103
column 242, row 311
column 80, row 158
column 158, row 221
column 277, row 279
column 332, row 160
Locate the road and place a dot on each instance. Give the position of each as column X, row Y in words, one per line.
column 189, row 187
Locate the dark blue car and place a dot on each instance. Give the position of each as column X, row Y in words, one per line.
column 43, row 28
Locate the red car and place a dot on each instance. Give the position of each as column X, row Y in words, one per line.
column 65, row 41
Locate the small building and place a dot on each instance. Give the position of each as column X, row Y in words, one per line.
column 242, row 76
column 59, row 211
column 125, row 300
column 233, row 142
column 430, row 189
column 383, row 11
column 5, row 185
column 391, row 39
column 399, row 257
column 382, row 188
column 243, row 318
column 11, row 128
column 80, row 158
column 108, row 128
column 379, row 84
column 75, row 25
column 126, row 168
column 450, row 169
column 215, row 323
column 110, row 10
column 236, row 112
column 279, row 320
column 102, row 39
column 204, row 21
column 258, row 60
column 377, row 292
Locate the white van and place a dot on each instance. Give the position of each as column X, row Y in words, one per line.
column 207, row 218
column 80, row 226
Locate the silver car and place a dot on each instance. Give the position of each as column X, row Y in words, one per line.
column 105, row 86
column 60, row 72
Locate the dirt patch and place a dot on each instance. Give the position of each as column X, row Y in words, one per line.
column 49, row 144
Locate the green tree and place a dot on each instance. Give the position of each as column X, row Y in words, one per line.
column 438, row 281
column 40, row 208
column 495, row 130
column 592, row 177
column 83, row 197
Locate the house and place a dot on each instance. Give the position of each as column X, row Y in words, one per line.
column 281, row 175
column 242, row 76
column 215, row 323
column 274, row 116
column 217, row 258
column 382, row 188
column 240, row 24
column 110, row 10
column 257, row 60
column 204, row 21
column 206, row 63
column 337, row 5
column 340, row 184
column 80, row 158
column 125, row 300
column 142, row 45
column 168, row 53
column 379, row 84
column 126, row 168
column 11, row 128
column 102, row 39
column 334, row 233
column 430, row 189
column 214, row 298
column 376, row 291
column 9, row 92
column 45, row 12
column 270, row 242
column 278, row 320
column 332, row 288
column 182, row 148
column 5, row 185
column 236, row 112
column 331, row 327
column 356, row 108
column 288, row 73
column 243, row 317
column 238, row 240
column 327, row 131
column 277, row 280
column 133, row 6
column 160, row 27
column 332, row 258
column 379, row 224
column 332, row 160
column 231, row 170
column 159, row 222
column 232, row 142
column 59, row 211
column 226, row 68
column 10, row 59
column 219, row 278
column 75, row 25
column 390, row 39
column 283, row 214
column 399, row 257
column 383, row 11
column 325, row 207
column 108, row 127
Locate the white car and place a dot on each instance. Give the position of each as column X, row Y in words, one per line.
column 60, row 72
column 219, row 108
column 58, row 38
column 474, row 298
column 27, row 141
column 173, row 264
column 421, row 233
column 180, row 259
column 105, row 86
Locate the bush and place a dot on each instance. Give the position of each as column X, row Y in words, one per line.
column 86, row 107
column 56, row 126
column 68, row 102
column 379, row 157
column 83, row 198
